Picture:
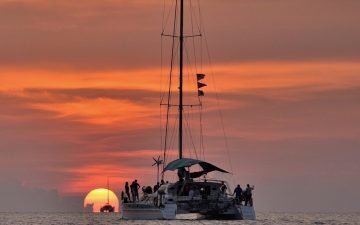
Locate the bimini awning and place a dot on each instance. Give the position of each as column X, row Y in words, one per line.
column 182, row 163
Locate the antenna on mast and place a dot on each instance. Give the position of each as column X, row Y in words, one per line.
column 158, row 162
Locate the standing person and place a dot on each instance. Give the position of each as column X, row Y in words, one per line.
column 156, row 187
column 123, row 197
column 136, row 189
column 248, row 195
column 132, row 188
column 238, row 191
column 223, row 187
column 127, row 190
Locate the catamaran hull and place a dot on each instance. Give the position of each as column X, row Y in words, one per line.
column 144, row 212
column 135, row 212
column 236, row 212
column 232, row 213
column 247, row 212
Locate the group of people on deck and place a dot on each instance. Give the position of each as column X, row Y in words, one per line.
column 240, row 194
column 134, row 189
column 157, row 185
column 244, row 195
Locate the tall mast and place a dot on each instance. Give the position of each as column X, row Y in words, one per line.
column 108, row 190
column 181, row 79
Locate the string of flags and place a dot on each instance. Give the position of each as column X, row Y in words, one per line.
column 200, row 85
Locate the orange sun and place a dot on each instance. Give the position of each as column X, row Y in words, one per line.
column 97, row 198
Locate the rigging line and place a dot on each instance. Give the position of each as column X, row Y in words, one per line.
column 201, row 138
column 196, row 69
column 161, row 78
column 201, row 39
column 187, row 131
column 172, row 136
column 192, row 32
column 189, row 127
column 219, row 110
column 160, row 120
column 169, row 90
column 191, row 73
column 217, row 98
column 168, row 15
column 199, row 100
column 196, row 18
column 195, row 56
column 173, row 58
column 163, row 16
column 198, row 23
column 173, row 133
column 222, row 122
column 162, row 59
column 161, row 71
column 190, row 70
column 190, row 135
column 201, row 126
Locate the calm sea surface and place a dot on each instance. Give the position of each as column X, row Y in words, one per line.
column 110, row 219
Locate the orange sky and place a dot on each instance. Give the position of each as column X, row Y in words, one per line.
column 80, row 94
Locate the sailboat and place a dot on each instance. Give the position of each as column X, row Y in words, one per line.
column 107, row 208
column 193, row 196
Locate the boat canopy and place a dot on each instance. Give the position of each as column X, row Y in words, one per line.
column 182, row 163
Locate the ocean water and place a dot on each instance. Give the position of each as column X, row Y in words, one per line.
column 112, row 219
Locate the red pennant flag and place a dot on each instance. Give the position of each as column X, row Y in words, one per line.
column 201, row 93
column 200, row 85
column 200, row 76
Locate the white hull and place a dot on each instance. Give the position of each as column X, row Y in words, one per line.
column 139, row 211
column 169, row 205
column 247, row 212
column 143, row 211
column 189, row 216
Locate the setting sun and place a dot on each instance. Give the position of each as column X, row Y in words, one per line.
column 97, row 198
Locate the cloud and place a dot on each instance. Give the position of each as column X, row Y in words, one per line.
column 139, row 96
column 111, row 35
column 59, row 132
column 68, row 34
column 295, row 171
column 299, row 112
column 309, row 131
column 282, row 30
column 15, row 197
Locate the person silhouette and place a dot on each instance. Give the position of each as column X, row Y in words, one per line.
column 127, row 190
